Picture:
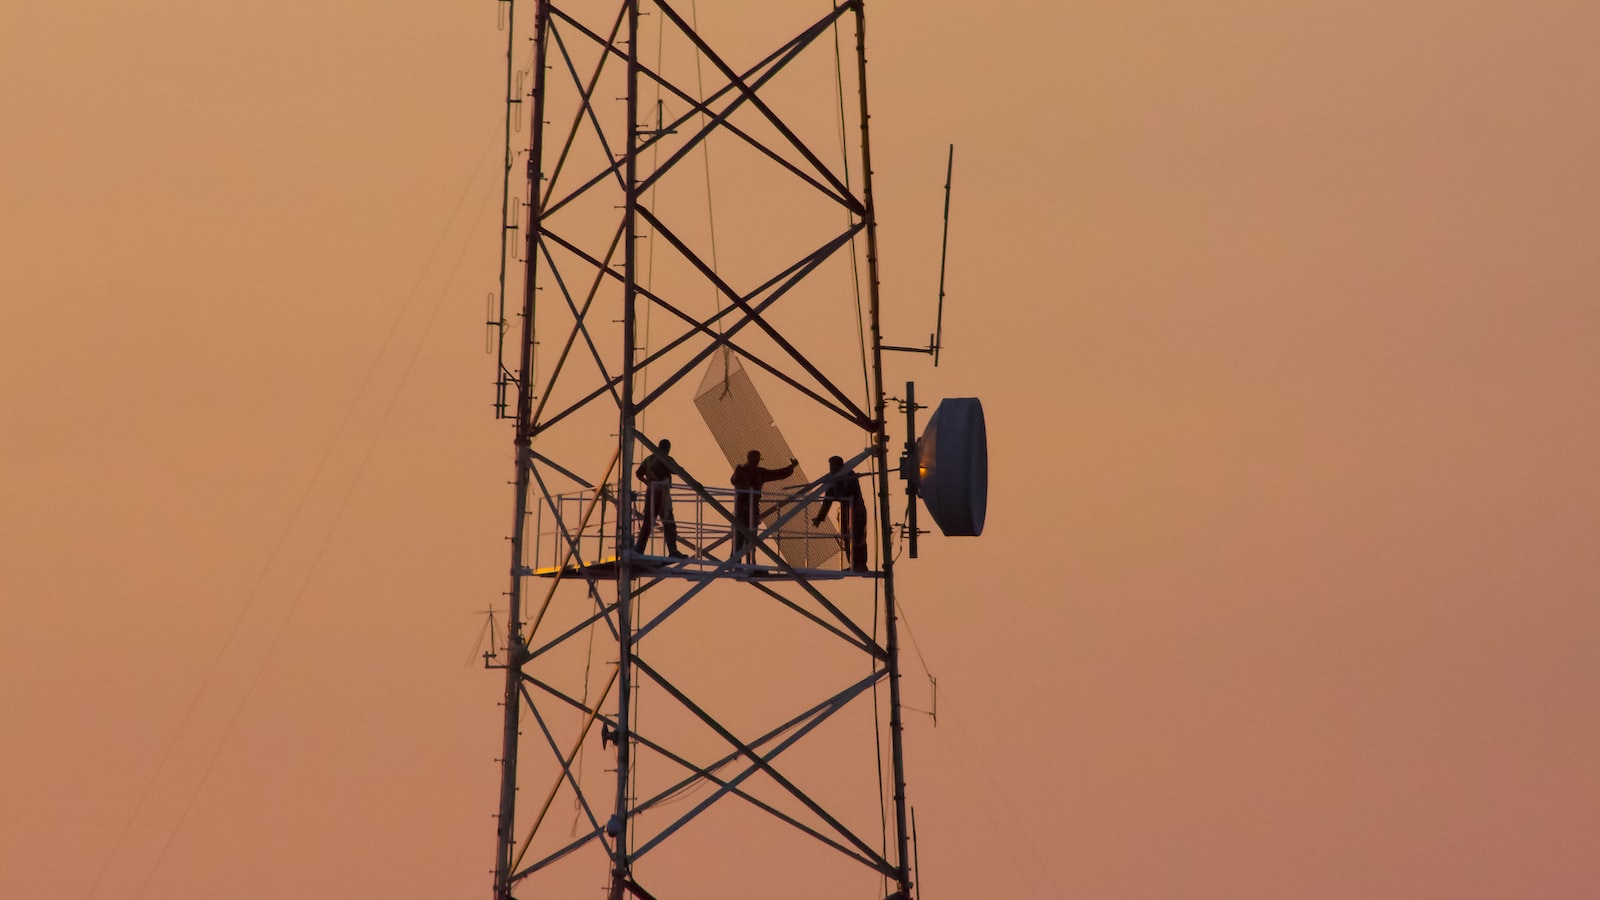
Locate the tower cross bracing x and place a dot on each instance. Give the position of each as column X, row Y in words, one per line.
column 690, row 231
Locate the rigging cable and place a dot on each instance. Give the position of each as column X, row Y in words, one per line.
column 650, row 243
column 993, row 788
column 705, row 151
column 283, row 540
column 850, row 220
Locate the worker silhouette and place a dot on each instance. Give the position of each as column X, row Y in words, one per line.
column 656, row 473
column 747, row 481
column 845, row 487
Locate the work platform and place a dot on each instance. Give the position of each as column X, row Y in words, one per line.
column 575, row 535
column 693, row 569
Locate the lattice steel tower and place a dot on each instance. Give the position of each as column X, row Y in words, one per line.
column 710, row 695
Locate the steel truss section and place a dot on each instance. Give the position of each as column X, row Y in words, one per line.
column 705, row 718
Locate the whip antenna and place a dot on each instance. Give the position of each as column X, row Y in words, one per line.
column 936, row 340
column 944, row 252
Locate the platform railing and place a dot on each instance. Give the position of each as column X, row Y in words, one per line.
column 572, row 536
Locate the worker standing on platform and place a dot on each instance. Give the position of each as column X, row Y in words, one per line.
column 747, row 481
column 656, row 473
column 845, row 487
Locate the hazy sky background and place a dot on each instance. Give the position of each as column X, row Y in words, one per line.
column 1284, row 317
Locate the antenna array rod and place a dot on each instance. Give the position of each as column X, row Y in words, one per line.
column 944, row 251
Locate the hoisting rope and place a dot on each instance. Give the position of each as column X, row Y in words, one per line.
column 711, row 213
column 342, row 433
column 650, row 243
column 705, row 155
column 850, row 219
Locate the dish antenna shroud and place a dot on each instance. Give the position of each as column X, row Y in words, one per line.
column 947, row 467
column 953, row 467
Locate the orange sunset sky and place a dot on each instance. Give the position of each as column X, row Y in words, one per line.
column 1285, row 316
